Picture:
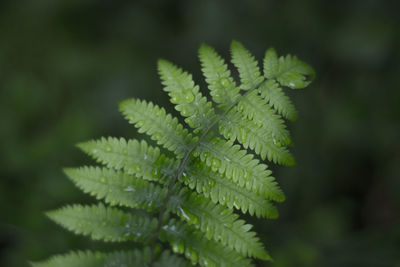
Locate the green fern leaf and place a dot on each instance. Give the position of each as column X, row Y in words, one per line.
column 186, row 96
column 117, row 187
column 288, row 71
column 168, row 259
column 254, row 108
column 225, row 192
column 161, row 127
column 97, row 259
column 236, row 165
column 274, row 95
column 247, row 66
column 103, row 223
column 253, row 136
column 222, row 87
column 221, row 224
column 195, row 192
column 127, row 155
column 186, row 240
column 134, row 157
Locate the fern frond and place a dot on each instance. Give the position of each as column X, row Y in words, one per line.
column 288, row 71
column 159, row 125
column 238, row 166
column 134, row 157
column 96, row 259
column 104, row 223
column 117, row 188
column 225, row 192
column 220, row 224
column 274, row 95
column 189, row 200
column 168, row 259
column 222, row 87
column 254, row 136
column 253, row 107
column 186, row 240
column 244, row 61
column 198, row 112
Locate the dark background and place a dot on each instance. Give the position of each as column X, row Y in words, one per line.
column 64, row 66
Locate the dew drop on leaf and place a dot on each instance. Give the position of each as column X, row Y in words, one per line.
column 225, row 82
column 188, row 216
column 185, row 111
column 175, row 97
column 188, row 96
column 205, row 155
column 129, row 189
column 138, row 169
column 216, row 163
column 175, row 248
column 156, row 172
column 139, row 123
column 157, row 136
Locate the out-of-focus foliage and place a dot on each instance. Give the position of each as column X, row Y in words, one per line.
column 64, row 65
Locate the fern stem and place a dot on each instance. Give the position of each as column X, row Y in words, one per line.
column 182, row 167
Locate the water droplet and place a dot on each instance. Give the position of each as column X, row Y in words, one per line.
column 138, row 169
column 175, row 97
column 102, row 179
column 216, row 93
column 204, row 261
column 227, row 159
column 222, row 199
column 188, row 96
column 139, row 123
column 185, row 111
column 211, row 182
column 108, row 148
column 94, row 151
column 157, row 136
column 276, row 142
column 156, row 172
column 225, row 82
column 216, row 163
column 189, row 217
column 104, row 222
column 150, row 204
column 206, row 155
column 228, row 225
column 129, row 235
column 129, row 189
column 175, row 248
column 125, row 151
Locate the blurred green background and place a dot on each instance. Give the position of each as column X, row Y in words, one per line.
column 64, row 66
